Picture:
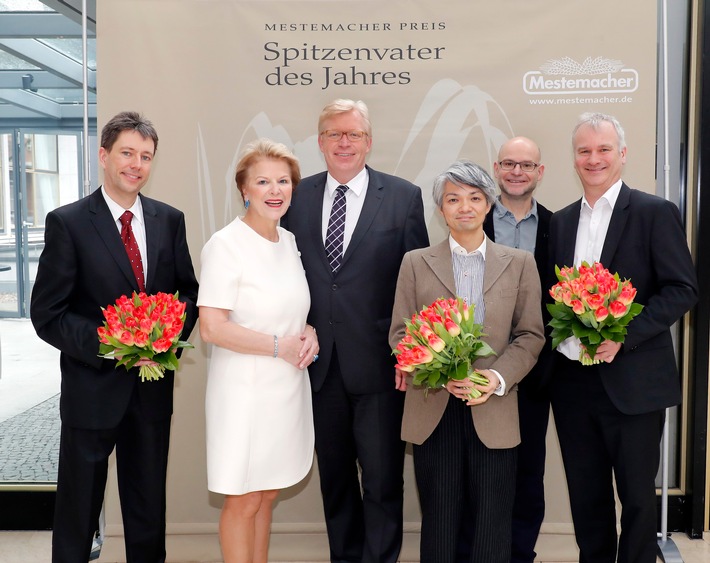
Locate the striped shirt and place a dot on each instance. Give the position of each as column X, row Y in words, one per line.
column 469, row 269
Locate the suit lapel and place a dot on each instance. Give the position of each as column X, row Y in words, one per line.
column 153, row 236
column 489, row 225
column 497, row 259
column 439, row 260
column 314, row 204
column 616, row 225
column 108, row 232
column 373, row 199
column 543, row 233
column 568, row 235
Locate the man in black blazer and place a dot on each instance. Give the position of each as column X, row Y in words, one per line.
column 85, row 266
column 519, row 221
column 357, row 410
column 609, row 416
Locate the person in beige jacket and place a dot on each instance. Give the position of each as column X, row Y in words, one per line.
column 464, row 450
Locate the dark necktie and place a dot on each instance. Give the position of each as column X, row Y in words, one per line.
column 134, row 254
column 335, row 235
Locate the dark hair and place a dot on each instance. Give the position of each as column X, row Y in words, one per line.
column 127, row 121
column 266, row 149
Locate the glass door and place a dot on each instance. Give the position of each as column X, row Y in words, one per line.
column 39, row 171
column 10, row 243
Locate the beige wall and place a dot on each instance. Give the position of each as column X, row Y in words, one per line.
column 200, row 71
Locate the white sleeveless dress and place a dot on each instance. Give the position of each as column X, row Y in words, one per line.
column 258, row 408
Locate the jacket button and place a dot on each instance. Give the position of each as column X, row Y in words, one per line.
column 334, row 286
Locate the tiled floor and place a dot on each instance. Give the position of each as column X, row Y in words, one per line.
column 34, row 547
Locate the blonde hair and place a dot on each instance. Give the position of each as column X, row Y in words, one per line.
column 265, row 149
column 337, row 107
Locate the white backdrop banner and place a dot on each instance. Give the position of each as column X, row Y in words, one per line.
column 443, row 80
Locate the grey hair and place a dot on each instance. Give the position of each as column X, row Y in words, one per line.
column 464, row 173
column 594, row 120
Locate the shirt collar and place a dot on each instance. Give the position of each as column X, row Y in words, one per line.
column 456, row 248
column 501, row 210
column 116, row 210
column 357, row 185
column 611, row 195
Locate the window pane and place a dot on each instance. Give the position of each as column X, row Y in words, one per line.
column 23, row 6
column 45, row 153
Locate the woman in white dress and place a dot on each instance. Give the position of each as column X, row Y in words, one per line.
column 253, row 303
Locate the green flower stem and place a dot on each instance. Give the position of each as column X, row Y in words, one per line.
column 478, row 379
column 151, row 373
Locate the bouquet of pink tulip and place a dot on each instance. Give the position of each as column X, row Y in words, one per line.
column 144, row 331
column 593, row 305
column 441, row 343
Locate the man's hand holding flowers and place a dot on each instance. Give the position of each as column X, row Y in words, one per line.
column 607, row 351
column 591, row 312
column 144, row 331
column 400, row 379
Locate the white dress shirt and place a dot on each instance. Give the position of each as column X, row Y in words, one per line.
column 137, row 224
column 591, row 234
column 354, row 198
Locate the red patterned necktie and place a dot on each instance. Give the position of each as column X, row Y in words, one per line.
column 134, row 254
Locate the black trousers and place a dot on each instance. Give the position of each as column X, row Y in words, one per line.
column 600, row 445
column 456, row 472
column 363, row 512
column 529, row 506
column 141, row 461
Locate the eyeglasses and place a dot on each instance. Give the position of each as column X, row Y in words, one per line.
column 353, row 136
column 526, row 166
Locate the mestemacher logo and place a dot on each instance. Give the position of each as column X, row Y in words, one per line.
column 593, row 76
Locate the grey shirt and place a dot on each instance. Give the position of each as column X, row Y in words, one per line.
column 515, row 234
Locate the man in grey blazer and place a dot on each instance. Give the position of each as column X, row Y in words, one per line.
column 464, row 450
column 352, row 226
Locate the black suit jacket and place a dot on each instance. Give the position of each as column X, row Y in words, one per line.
column 353, row 307
column 83, row 267
column 645, row 243
column 541, row 373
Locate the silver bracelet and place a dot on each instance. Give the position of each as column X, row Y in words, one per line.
column 276, row 346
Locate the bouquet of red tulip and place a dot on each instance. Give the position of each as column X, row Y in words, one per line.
column 145, row 331
column 593, row 305
column 441, row 343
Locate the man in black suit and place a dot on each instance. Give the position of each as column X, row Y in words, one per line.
column 85, row 266
column 609, row 416
column 519, row 221
column 352, row 267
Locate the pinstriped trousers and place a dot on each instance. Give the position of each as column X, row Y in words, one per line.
column 454, row 469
